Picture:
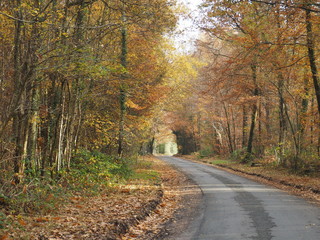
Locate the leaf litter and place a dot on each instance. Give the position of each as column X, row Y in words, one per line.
column 137, row 210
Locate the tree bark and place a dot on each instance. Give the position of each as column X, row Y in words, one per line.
column 244, row 126
column 253, row 114
column 282, row 119
column 312, row 56
column 123, row 90
column 16, row 127
column 228, row 129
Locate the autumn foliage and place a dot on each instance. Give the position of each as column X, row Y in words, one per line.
column 257, row 96
column 62, row 69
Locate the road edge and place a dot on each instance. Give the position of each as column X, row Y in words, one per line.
column 297, row 190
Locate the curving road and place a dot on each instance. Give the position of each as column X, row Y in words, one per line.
column 235, row 208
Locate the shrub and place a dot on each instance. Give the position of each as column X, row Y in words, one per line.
column 238, row 154
column 3, row 219
column 98, row 167
column 206, row 152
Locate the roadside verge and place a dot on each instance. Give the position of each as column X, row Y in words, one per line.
column 303, row 186
column 145, row 207
column 181, row 197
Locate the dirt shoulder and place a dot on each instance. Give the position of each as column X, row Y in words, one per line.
column 181, row 197
column 304, row 186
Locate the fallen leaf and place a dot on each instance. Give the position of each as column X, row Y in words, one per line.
column 4, row 237
column 22, row 222
column 42, row 219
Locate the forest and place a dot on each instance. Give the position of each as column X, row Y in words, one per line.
column 87, row 87
column 257, row 97
column 78, row 75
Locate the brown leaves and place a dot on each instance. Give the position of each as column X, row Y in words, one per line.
column 110, row 215
column 92, row 217
column 173, row 184
column 4, row 237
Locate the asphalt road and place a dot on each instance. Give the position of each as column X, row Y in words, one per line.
column 235, row 208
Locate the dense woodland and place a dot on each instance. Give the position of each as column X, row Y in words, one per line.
column 78, row 74
column 258, row 95
column 101, row 75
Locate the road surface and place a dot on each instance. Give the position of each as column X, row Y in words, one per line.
column 235, row 208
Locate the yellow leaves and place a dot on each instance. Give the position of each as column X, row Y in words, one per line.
column 34, row 12
column 35, row 119
column 132, row 105
column 60, row 15
column 64, row 34
column 182, row 69
column 101, row 128
column 6, row 29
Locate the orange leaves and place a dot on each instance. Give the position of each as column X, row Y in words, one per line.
column 5, row 237
column 21, row 222
column 49, row 197
column 75, row 199
column 42, row 219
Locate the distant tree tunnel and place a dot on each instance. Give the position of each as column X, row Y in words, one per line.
column 186, row 142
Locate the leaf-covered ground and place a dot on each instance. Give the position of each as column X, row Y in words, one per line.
column 139, row 209
column 179, row 204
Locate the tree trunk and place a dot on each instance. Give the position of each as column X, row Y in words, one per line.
column 252, row 127
column 31, row 159
column 244, row 126
column 253, row 114
column 268, row 122
column 123, row 90
column 313, row 121
column 260, row 137
column 228, row 129
column 17, row 93
column 312, row 57
column 282, row 120
column 75, row 99
column 234, row 142
column 303, row 114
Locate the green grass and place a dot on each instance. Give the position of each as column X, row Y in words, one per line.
column 3, row 220
column 147, row 175
column 220, row 161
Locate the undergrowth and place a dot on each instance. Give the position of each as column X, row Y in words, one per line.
column 91, row 173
